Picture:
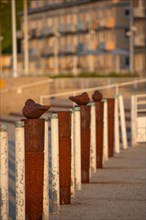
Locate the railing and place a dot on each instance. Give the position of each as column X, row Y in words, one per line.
column 115, row 86
column 29, row 85
column 138, row 118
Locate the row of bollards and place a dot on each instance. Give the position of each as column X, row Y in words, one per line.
column 48, row 176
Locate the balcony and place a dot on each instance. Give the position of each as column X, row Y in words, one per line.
column 139, row 41
column 109, row 45
column 80, row 47
column 110, row 23
column 48, row 51
column 81, row 26
column 139, row 12
column 70, row 49
column 62, row 49
column 107, row 23
column 50, row 31
column 61, row 29
column 95, row 24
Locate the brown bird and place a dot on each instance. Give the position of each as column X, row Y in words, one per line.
column 97, row 96
column 82, row 99
column 32, row 110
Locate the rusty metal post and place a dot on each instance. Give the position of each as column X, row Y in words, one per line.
column 99, row 134
column 111, row 107
column 34, row 167
column 65, row 156
column 72, row 153
column 85, row 143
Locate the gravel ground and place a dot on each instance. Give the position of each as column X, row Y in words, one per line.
column 116, row 192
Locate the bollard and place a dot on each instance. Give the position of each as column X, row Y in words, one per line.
column 117, row 135
column 77, row 147
column 92, row 138
column 122, row 120
column 111, row 106
column 4, row 206
column 72, row 154
column 46, row 174
column 85, row 143
column 99, row 133
column 34, row 167
column 54, row 176
column 82, row 101
column 20, row 170
column 105, row 130
column 133, row 121
column 65, row 156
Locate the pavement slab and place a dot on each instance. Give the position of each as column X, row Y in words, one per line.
column 116, row 192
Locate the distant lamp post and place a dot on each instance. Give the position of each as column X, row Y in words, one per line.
column 131, row 35
column 26, row 37
column 14, row 38
column 1, row 39
column 56, row 52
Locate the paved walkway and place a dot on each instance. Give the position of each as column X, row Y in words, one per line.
column 117, row 192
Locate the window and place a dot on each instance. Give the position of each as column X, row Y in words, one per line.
column 127, row 11
column 127, row 61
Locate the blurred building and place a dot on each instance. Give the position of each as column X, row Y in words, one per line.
column 138, row 30
column 80, row 36
column 5, row 64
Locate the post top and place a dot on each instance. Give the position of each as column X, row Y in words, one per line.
column 19, row 124
column 91, row 103
column 104, row 100
column 3, row 127
column 76, row 108
column 54, row 115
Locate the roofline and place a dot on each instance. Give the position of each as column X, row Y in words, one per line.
column 59, row 6
column 67, row 5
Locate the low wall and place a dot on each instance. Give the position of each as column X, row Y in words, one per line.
column 16, row 91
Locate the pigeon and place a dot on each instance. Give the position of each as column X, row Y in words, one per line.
column 82, row 99
column 32, row 110
column 97, row 96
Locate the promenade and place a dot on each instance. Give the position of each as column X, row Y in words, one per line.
column 116, row 192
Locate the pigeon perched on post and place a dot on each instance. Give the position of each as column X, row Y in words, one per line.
column 97, row 96
column 33, row 110
column 82, row 99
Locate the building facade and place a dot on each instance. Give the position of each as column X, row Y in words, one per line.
column 138, row 28
column 78, row 36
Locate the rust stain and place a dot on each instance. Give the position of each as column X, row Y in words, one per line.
column 99, row 133
column 65, row 156
column 34, row 135
column 34, row 185
column 111, row 106
column 34, row 167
